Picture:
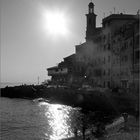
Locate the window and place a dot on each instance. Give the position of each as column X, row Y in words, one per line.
column 108, row 58
column 125, row 45
column 104, row 83
column 104, row 38
column 104, row 60
column 104, row 47
column 109, row 35
column 114, row 41
column 125, row 58
column 99, row 60
column 108, row 23
column 108, row 84
column 122, row 58
column 124, row 83
column 137, row 39
column 131, row 42
column 137, row 56
column 108, row 71
column 104, row 72
column 117, row 60
column 109, row 46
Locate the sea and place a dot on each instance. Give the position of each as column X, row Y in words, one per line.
column 12, row 84
column 22, row 119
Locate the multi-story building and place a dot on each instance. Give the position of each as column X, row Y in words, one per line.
column 58, row 74
column 112, row 42
column 62, row 73
column 67, row 72
column 124, row 54
column 110, row 55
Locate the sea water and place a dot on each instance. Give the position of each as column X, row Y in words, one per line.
column 22, row 119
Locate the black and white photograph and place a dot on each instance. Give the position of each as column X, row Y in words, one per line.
column 69, row 69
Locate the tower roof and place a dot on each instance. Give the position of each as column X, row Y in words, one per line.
column 91, row 5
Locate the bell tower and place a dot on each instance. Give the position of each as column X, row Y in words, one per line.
column 91, row 21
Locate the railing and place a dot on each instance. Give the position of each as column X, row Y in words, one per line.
column 59, row 71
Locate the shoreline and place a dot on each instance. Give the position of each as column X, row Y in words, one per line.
column 81, row 98
column 70, row 97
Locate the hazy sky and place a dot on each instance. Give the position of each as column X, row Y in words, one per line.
column 27, row 48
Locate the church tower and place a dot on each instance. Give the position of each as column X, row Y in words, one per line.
column 91, row 21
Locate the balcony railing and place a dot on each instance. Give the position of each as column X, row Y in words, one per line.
column 57, row 72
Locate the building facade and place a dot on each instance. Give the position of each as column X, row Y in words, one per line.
column 110, row 55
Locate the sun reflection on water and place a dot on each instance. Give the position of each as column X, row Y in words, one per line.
column 59, row 122
column 58, row 118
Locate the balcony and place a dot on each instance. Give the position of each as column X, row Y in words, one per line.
column 135, row 69
column 57, row 71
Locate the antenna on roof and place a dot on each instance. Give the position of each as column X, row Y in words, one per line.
column 38, row 80
column 103, row 15
column 110, row 12
column 123, row 11
column 114, row 9
column 138, row 12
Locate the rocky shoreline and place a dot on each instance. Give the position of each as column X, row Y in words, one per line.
column 101, row 107
column 114, row 131
column 94, row 100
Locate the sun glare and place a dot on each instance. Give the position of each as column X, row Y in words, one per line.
column 56, row 23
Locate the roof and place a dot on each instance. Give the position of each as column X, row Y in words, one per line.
column 98, row 30
column 70, row 56
column 81, row 46
column 91, row 4
column 118, row 17
column 55, row 67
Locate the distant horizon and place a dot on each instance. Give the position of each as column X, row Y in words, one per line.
column 40, row 81
column 12, row 84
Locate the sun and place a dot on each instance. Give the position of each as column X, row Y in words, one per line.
column 56, row 23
